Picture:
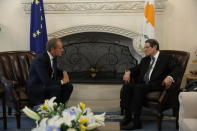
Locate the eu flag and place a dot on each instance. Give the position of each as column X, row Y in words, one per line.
column 38, row 32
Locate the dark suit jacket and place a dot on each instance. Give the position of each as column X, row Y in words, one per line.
column 40, row 76
column 166, row 65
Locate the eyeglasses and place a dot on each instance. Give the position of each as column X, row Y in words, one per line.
column 146, row 47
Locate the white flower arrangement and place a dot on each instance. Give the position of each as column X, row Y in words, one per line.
column 52, row 116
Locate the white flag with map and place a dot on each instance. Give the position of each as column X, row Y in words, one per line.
column 149, row 19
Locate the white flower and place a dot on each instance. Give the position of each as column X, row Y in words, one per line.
column 31, row 114
column 71, row 129
column 88, row 110
column 95, row 121
column 100, row 119
column 68, row 117
column 93, row 126
column 43, row 122
column 41, row 128
column 53, row 116
column 55, row 121
column 50, row 103
column 47, row 106
column 76, row 109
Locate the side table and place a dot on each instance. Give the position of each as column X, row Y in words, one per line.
column 2, row 95
column 190, row 77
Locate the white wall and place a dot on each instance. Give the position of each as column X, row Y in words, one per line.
column 180, row 27
column 175, row 28
column 14, row 25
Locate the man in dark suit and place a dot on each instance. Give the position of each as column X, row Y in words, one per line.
column 45, row 79
column 155, row 72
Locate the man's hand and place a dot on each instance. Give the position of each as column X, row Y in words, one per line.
column 126, row 77
column 167, row 82
column 65, row 77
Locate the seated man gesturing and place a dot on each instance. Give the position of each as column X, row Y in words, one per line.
column 156, row 72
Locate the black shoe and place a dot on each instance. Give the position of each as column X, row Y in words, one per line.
column 124, row 121
column 132, row 125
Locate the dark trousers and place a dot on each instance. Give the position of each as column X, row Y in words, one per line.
column 62, row 93
column 37, row 94
column 66, row 91
column 133, row 98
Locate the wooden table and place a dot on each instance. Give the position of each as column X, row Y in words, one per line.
column 2, row 95
column 194, row 61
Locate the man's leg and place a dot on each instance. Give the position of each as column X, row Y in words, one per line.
column 139, row 91
column 127, row 96
column 66, row 91
column 53, row 91
column 35, row 94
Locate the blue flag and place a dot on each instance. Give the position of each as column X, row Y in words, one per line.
column 38, row 32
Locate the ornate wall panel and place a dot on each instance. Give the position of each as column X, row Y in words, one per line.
column 95, row 6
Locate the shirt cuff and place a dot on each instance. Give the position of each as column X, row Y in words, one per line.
column 171, row 78
column 62, row 82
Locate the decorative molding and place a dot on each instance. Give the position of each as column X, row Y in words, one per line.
column 95, row 7
column 101, row 28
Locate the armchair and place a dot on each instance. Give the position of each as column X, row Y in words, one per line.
column 187, row 113
column 14, row 67
column 167, row 99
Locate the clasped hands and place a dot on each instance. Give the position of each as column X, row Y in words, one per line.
column 126, row 77
column 167, row 82
column 65, row 78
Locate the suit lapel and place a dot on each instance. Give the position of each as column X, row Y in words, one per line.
column 48, row 62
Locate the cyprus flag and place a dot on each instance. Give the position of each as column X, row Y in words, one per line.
column 149, row 19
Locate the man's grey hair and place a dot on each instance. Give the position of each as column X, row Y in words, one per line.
column 51, row 43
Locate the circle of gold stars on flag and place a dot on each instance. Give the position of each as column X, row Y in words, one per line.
column 38, row 31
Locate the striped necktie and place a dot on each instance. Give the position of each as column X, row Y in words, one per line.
column 146, row 76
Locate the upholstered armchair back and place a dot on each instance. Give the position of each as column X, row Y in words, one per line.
column 182, row 57
column 15, row 66
column 14, row 69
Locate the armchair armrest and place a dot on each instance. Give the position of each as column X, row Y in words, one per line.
column 187, row 112
column 170, row 92
column 5, row 82
column 12, row 92
column 188, row 105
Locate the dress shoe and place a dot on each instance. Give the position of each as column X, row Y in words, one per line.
column 132, row 125
column 124, row 121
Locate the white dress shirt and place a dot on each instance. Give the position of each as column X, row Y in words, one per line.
column 51, row 59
